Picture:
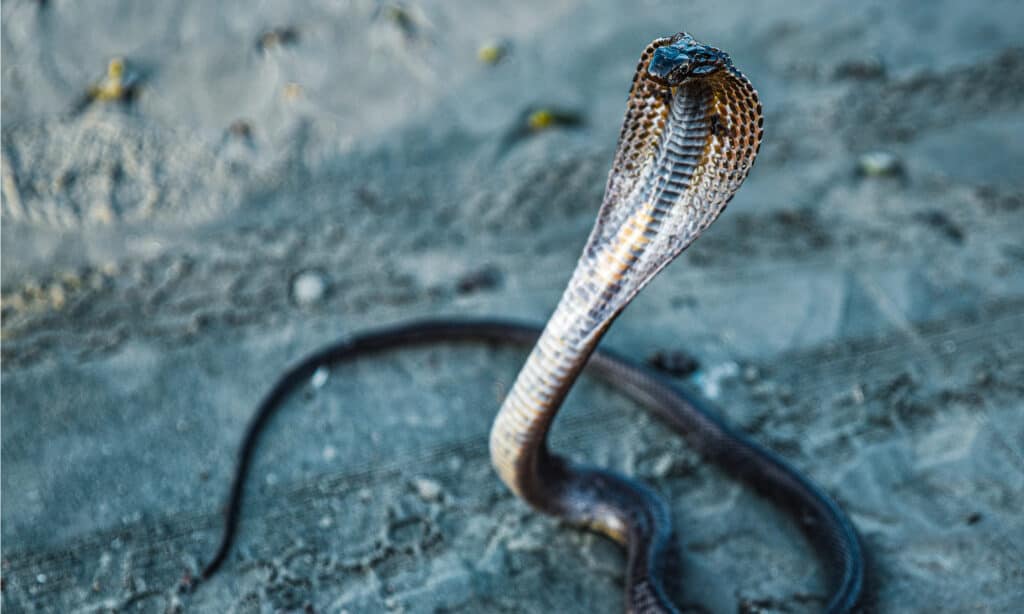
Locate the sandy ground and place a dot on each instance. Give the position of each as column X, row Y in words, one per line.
column 867, row 326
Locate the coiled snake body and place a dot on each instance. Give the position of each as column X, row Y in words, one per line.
column 691, row 133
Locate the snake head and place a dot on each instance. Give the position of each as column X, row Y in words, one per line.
column 682, row 58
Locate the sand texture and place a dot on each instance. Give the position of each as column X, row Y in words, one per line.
column 291, row 172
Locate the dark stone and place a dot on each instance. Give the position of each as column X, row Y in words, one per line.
column 673, row 362
column 486, row 278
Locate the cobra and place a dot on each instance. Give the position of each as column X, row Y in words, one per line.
column 692, row 131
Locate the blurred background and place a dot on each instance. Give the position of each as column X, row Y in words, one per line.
column 196, row 194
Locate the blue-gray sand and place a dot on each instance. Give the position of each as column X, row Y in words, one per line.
column 283, row 174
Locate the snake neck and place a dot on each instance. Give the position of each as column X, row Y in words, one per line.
column 518, row 437
column 599, row 289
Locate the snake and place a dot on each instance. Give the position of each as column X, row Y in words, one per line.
column 692, row 130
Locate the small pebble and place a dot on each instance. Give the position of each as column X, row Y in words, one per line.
column 540, row 119
column 71, row 279
column 32, row 290
column 319, row 377
column 548, row 117
column 57, row 296
column 662, row 466
column 102, row 212
column 710, row 381
column 879, row 164
column 491, row 52
column 241, row 129
column 16, row 302
column 308, row 288
column 41, row 578
column 119, row 84
column 427, row 489
column 292, row 91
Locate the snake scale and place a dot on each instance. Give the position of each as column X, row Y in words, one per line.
column 692, row 130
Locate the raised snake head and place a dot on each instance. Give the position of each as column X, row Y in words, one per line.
column 682, row 58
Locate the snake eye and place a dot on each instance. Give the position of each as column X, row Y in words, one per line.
column 669, row 65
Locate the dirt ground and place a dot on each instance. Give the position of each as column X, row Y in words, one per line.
column 288, row 173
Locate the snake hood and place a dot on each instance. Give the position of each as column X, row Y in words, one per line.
column 690, row 135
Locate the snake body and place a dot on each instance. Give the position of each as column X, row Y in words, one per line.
column 691, row 133
column 692, row 130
